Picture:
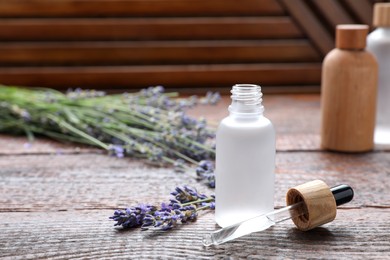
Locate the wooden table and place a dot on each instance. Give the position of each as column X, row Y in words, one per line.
column 55, row 199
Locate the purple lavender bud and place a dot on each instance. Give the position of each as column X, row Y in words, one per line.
column 158, row 89
column 206, row 165
column 133, row 216
column 174, row 193
column 176, row 206
column 175, row 217
column 117, row 150
column 200, row 171
column 215, row 98
column 165, row 207
column 211, row 181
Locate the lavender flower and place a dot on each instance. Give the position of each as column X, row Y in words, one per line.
column 187, row 194
column 211, row 98
column 180, row 210
column 79, row 93
column 205, row 171
column 117, row 150
column 133, row 216
column 168, row 218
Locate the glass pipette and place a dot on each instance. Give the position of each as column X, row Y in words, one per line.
column 342, row 194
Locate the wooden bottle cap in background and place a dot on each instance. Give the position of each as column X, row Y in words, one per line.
column 381, row 15
column 351, row 36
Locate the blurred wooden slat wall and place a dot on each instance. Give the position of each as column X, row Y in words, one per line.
column 176, row 43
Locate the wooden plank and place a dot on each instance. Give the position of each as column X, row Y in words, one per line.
column 310, row 24
column 169, row 76
column 19, row 145
column 356, row 233
column 133, row 8
column 362, row 9
column 148, row 29
column 334, row 12
column 119, row 53
column 61, row 182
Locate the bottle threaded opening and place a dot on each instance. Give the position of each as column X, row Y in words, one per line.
column 246, row 99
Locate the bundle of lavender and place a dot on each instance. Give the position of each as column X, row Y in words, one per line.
column 149, row 124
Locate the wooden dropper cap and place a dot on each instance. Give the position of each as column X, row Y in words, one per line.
column 351, row 36
column 320, row 202
column 381, row 15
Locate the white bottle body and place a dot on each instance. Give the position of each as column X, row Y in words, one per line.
column 378, row 43
column 245, row 165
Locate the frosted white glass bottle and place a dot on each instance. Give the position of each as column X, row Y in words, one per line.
column 378, row 43
column 245, row 159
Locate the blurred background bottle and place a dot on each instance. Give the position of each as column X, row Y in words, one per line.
column 378, row 42
column 349, row 92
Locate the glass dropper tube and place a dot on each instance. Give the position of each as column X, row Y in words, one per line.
column 254, row 224
column 341, row 193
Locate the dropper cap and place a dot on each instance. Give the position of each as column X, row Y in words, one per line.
column 381, row 15
column 320, row 201
column 351, row 36
column 342, row 194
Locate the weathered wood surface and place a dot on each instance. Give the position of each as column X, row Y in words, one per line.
column 180, row 76
column 149, row 52
column 83, row 29
column 310, row 24
column 96, row 181
column 69, row 34
column 55, row 199
column 146, row 8
column 355, row 234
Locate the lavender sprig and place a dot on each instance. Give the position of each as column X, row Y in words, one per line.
column 133, row 216
column 182, row 209
column 205, row 172
column 150, row 124
column 168, row 218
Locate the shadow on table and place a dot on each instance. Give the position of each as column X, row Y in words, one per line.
column 317, row 234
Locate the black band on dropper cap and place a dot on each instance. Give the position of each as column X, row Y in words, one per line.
column 342, row 193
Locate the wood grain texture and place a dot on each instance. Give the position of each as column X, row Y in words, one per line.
column 57, row 205
column 362, row 9
column 310, row 24
column 169, row 76
column 89, row 234
column 188, row 28
column 349, row 92
column 134, row 8
column 90, row 181
column 19, row 145
column 334, row 12
column 149, row 52
column 318, row 200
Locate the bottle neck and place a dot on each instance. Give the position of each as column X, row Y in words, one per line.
column 246, row 100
